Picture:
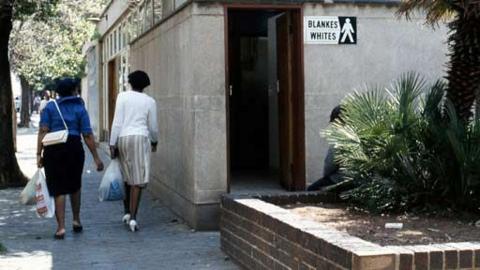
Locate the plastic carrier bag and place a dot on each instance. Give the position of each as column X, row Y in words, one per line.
column 29, row 194
column 112, row 187
column 45, row 203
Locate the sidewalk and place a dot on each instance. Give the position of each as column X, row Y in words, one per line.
column 163, row 242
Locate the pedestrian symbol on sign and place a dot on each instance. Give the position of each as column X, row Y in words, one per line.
column 348, row 31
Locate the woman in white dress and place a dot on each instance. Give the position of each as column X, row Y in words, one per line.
column 134, row 136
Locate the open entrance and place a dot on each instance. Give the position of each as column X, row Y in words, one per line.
column 112, row 90
column 266, row 104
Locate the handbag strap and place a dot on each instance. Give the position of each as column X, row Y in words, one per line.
column 61, row 115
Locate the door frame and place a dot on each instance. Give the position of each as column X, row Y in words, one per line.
column 299, row 83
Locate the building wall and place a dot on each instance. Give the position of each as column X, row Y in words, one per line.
column 91, row 89
column 184, row 57
column 111, row 15
column 386, row 47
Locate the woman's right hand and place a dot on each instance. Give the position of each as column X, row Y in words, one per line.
column 113, row 151
column 99, row 164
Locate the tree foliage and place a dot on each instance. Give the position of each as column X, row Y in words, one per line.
column 404, row 147
column 10, row 174
column 52, row 47
column 463, row 72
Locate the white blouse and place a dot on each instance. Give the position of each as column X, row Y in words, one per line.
column 135, row 114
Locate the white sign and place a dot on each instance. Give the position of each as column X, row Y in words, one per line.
column 330, row 30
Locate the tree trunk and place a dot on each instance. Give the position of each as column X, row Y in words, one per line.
column 10, row 173
column 25, row 109
column 464, row 67
column 14, row 121
column 30, row 101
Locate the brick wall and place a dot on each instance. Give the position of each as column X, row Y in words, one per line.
column 260, row 235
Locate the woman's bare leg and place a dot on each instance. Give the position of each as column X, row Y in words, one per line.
column 135, row 195
column 126, row 201
column 60, row 213
column 75, row 201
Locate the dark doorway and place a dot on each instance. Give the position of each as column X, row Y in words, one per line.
column 112, row 90
column 266, row 96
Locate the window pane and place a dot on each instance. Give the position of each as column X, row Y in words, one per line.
column 110, row 41
column 141, row 19
column 148, row 15
column 107, row 45
column 133, row 26
column 120, row 40
column 115, row 42
column 130, row 28
column 124, row 35
column 157, row 10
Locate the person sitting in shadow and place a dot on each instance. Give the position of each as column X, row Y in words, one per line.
column 331, row 170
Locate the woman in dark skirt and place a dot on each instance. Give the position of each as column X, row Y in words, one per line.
column 64, row 162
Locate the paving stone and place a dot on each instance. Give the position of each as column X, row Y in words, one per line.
column 105, row 243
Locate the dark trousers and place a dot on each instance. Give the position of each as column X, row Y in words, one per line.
column 320, row 183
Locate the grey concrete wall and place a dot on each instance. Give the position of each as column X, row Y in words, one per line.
column 111, row 15
column 387, row 46
column 91, row 89
column 184, row 57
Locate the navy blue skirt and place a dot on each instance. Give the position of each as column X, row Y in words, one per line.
column 64, row 166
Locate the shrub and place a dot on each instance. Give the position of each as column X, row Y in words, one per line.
column 403, row 147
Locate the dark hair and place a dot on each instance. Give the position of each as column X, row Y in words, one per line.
column 336, row 114
column 138, row 80
column 66, row 86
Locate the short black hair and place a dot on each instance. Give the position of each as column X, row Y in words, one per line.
column 138, row 80
column 66, row 86
column 336, row 114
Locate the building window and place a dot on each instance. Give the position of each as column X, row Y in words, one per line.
column 124, row 71
column 104, row 51
column 110, row 45
column 141, row 18
column 115, row 42
column 120, row 39
column 148, row 22
column 124, row 35
column 157, row 10
column 135, row 25
column 128, row 29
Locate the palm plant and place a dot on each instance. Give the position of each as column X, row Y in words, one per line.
column 464, row 46
column 404, row 147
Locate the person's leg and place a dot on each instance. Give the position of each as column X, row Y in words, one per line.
column 319, row 184
column 126, row 201
column 75, row 201
column 60, row 214
column 135, row 195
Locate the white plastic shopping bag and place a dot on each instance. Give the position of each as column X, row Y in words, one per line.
column 112, row 187
column 45, row 203
column 29, row 194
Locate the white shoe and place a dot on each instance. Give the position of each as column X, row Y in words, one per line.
column 126, row 218
column 133, row 225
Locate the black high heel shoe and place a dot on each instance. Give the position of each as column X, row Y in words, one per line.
column 57, row 236
column 77, row 228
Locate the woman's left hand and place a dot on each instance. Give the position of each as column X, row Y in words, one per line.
column 39, row 161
